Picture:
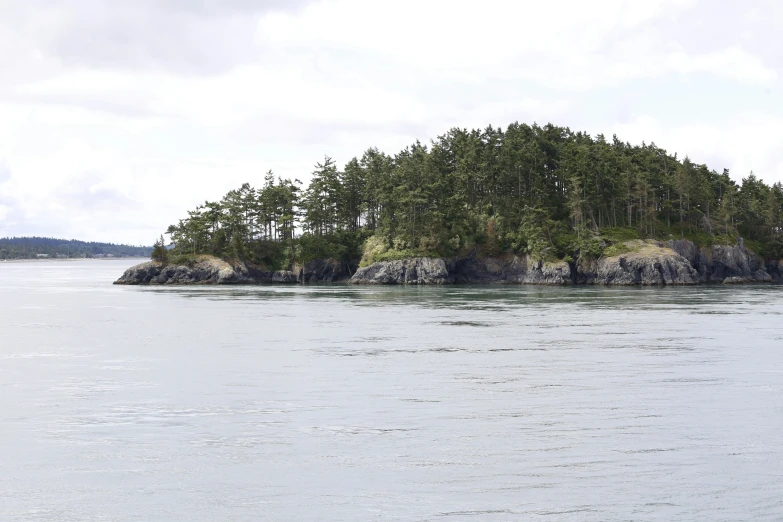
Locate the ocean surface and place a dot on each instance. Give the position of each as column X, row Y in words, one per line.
column 333, row 403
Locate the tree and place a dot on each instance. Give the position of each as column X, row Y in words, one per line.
column 159, row 252
column 526, row 188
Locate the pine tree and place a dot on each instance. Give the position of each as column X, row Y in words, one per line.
column 159, row 252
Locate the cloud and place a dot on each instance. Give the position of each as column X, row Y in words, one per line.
column 733, row 63
column 458, row 34
column 5, row 170
column 748, row 142
column 118, row 117
column 189, row 37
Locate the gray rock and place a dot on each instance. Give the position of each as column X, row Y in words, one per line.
column 650, row 263
column 677, row 262
column 142, row 274
column 762, row 276
column 693, row 254
column 413, row 271
column 285, row 276
column 775, row 269
column 206, row 270
column 728, row 262
column 718, row 262
column 325, row 271
column 511, row 270
column 737, row 280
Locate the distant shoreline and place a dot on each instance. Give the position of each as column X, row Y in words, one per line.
column 55, row 259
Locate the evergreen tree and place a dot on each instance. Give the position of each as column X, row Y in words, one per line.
column 159, row 252
column 548, row 191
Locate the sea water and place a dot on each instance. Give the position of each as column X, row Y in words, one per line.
column 385, row 403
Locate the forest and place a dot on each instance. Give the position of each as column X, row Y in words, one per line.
column 34, row 247
column 542, row 190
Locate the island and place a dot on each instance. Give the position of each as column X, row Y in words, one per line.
column 522, row 205
column 52, row 248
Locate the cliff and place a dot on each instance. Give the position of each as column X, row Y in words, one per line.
column 723, row 263
column 511, row 269
column 210, row 270
column 204, row 270
column 413, row 271
column 640, row 263
column 645, row 263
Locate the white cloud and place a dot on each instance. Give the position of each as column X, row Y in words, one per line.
column 733, row 63
column 747, row 142
column 112, row 127
column 458, row 34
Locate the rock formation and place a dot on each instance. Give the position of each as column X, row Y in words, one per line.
column 647, row 262
column 324, row 271
column 204, row 270
column 719, row 263
column 511, row 269
column 413, row 271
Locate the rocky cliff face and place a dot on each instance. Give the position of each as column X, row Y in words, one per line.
column 648, row 263
column 775, row 269
column 414, row 271
column 324, row 271
column 211, row 270
column 511, row 269
column 206, row 270
column 723, row 263
column 491, row 270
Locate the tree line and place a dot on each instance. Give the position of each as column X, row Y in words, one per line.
column 547, row 191
column 34, row 247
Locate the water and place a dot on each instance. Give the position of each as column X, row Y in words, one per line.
column 364, row 403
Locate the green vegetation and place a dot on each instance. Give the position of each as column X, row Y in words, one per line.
column 46, row 247
column 546, row 191
column 618, row 249
column 159, row 251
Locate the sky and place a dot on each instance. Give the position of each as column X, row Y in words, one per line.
column 118, row 117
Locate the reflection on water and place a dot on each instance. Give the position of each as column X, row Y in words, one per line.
column 356, row 403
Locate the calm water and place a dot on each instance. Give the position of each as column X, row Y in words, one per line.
column 346, row 403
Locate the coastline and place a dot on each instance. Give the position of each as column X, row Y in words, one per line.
column 644, row 263
column 59, row 260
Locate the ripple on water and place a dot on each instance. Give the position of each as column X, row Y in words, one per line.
column 347, row 403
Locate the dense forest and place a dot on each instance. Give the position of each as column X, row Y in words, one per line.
column 546, row 191
column 36, row 247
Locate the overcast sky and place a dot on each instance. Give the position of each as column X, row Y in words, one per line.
column 117, row 117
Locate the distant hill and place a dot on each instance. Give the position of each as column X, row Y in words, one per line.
column 47, row 247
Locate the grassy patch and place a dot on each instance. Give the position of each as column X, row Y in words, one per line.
column 617, row 249
column 394, row 255
column 620, row 234
column 188, row 260
column 376, row 250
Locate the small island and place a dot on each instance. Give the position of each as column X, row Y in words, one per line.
column 521, row 205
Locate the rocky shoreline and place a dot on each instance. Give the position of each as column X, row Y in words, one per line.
column 648, row 262
column 208, row 270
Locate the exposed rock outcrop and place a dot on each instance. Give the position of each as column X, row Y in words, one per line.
column 205, row 270
column 413, row 271
column 737, row 280
column 325, row 271
column 511, row 270
column 775, row 269
column 285, row 276
column 723, row 263
column 647, row 263
column 212, row 270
